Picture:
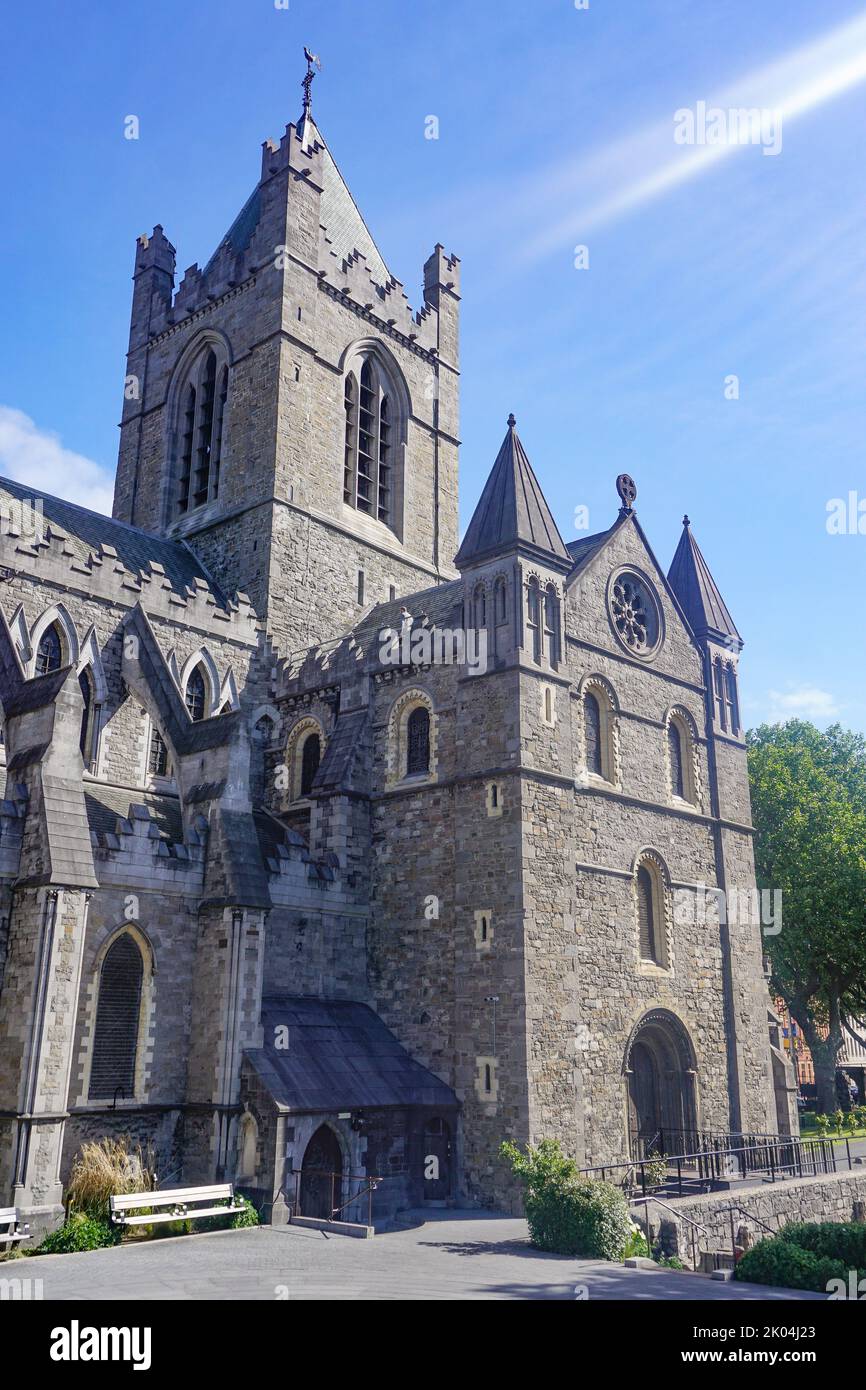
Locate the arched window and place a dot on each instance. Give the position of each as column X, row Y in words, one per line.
column 85, row 685
column 49, row 653
column 500, row 600
column 592, row 726
column 719, row 689
column 368, row 464
column 479, row 608
column 200, row 428
column 157, row 756
column 675, row 754
column 311, row 756
column 350, row 401
column 418, row 741
column 196, row 695
column 731, row 702
column 551, row 624
column 533, row 617
column 646, row 915
column 115, row 1039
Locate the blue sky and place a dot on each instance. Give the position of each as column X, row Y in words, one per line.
column 556, row 130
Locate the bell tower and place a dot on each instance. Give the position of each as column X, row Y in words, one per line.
column 286, row 413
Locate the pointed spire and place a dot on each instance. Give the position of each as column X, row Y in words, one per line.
column 694, row 586
column 512, row 510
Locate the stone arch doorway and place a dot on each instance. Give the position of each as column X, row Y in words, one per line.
column 660, row 1080
column 322, row 1175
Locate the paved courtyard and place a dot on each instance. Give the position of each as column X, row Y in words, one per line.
column 456, row 1257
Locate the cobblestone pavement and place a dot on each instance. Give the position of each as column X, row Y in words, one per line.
column 461, row 1256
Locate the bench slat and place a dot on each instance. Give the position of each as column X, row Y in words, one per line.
column 171, row 1195
column 171, row 1216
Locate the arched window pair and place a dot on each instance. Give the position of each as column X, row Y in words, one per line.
column 725, row 695
column 202, row 408
column 542, row 616
column 118, row 1021
column 368, row 462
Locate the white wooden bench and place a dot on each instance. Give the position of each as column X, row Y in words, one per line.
column 11, row 1228
column 174, row 1204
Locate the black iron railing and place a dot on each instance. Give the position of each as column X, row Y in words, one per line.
column 712, row 1162
column 367, row 1185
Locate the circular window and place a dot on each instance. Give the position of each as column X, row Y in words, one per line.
column 634, row 613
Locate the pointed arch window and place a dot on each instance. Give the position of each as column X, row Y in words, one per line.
column 115, row 1041
column 49, row 653
column 418, row 741
column 592, row 725
column 203, row 399
column 157, row 757
column 675, row 755
column 311, row 756
column 85, row 685
column 500, row 600
column 196, row 695
column 370, row 441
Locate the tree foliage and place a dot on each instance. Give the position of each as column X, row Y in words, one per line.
column 809, row 810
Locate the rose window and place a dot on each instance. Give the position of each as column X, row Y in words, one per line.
column 634, row 614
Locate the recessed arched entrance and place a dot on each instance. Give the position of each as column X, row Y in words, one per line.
column 322, row 1175
column 660, row 1076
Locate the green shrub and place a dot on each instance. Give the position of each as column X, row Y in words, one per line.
column 807, row 1255
column 822, row 1124
column 80, row 1232
column 567, row 1214
column 235, row 1222
column 840, row 1240
column 785, row 1265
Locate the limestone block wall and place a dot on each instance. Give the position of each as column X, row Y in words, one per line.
column 827, row 1197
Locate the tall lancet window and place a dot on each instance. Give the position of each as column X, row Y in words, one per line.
column 731, row 702
column 370, row 442
column 675, row 751
column 592, row 722
column 646, row 915
column 200, row 429
column 196, row 695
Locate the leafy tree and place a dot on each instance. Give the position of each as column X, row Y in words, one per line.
column 809, row 807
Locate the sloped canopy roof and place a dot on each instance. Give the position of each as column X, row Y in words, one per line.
column 340, row 1056
column 689, row 577
column 512, row 510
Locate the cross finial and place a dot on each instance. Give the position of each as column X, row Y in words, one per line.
column 511, row 422
column 312, row 61
column 627, row 490
column 686, row 521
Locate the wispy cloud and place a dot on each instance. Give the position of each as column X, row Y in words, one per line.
column 648, row 163
column 36, row 457
column 802, row 702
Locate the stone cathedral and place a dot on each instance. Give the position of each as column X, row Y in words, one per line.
column 287, row 904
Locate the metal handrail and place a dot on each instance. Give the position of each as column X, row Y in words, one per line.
column 681, row 1216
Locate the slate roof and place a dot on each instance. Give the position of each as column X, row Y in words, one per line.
column 511, row 510
column 340, row 1057
column 689, row 577
column 582, row 551
column 87, row 531
column 345, row 228
column 442, row 604
column 106, row 804
column 240, row 233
